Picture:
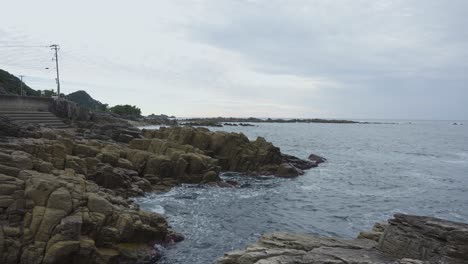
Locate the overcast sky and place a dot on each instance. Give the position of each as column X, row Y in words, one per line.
column 336, row 59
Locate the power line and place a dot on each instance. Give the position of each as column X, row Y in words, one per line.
column 22, row 46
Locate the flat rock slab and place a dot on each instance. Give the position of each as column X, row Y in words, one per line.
column 294, row 248
column 407, row 239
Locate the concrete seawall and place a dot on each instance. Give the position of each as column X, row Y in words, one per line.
column 24, row 103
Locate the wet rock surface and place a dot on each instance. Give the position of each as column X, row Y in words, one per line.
column 64, row 194
column 405, row 239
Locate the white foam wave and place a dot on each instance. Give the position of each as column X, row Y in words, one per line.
column 158, row 209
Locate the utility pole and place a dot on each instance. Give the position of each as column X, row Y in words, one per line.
column 56, row 47
column 21, row 85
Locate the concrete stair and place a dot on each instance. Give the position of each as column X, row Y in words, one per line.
column 35, row 117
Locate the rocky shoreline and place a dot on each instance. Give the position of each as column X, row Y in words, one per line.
column 405, row 239
column 65, row 194
column 66, row 197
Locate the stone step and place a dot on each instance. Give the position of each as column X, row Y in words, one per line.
column 31, row 117
column 35, row 121
column 27, row 114
column 24, row 112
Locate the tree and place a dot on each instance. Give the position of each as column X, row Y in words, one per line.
column 125, row 110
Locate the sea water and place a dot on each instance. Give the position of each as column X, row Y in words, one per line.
column 373, row 171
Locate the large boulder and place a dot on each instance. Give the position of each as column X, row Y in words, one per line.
column 77, row 164
column 70, row 110
column 17, row 159
column 112, row 178
column 426, row 238
column 406, row 239
column 230, row 151
column 60, row 216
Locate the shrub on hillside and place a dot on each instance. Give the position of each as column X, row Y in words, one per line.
column 125, row 110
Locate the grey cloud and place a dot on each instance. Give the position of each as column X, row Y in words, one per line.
column 311, row 58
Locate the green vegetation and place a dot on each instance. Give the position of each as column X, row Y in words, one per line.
column 11, row 85
column 47, row 93
column 83, row 99
column 125, row 110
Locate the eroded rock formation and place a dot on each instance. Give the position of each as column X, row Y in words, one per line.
column 58, row 216
column 64, row 193
column 235, row 152
column 406, row 239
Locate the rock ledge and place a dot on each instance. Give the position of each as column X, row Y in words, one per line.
column 406, row 239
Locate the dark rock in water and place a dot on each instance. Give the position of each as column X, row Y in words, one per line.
column 287, row 170
column 406, row 239
column 316, row 159
column 64, row 194
column 173, row 238
column 301, row 164
column 233, row 151
column 232, row 182
column 203, row 124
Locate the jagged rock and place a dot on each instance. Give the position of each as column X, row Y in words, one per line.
column 231, row 151
column 99, row 204
column 39, row 186
column 170, row 160
column 63, row 195
column 406, row 240
column 61, row 252
column 317, row 159
column 287, row 170
column 112, row 178
column 43, row 166
column 375, row 234
column 211, row 176
column 426, row 238
column 60, row 199
column 159, row 165
column 59, row 216
column 125, row 138
column 77, row 164
column 8, row 128
column 18, row 159
column 125, row 164
column 138, row 158
column 70, row 110
column 83, row 150
column 7, row 170
column 32, row 254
